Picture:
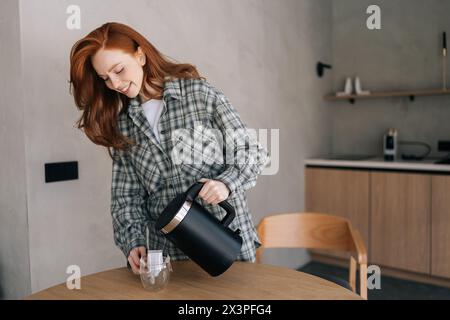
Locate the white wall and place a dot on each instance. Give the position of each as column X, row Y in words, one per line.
column 261, row 53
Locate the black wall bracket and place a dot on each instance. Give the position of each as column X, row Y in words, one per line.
column 320, row 68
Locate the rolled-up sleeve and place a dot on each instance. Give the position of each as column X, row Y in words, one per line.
column 127, row 205
column 243, row 155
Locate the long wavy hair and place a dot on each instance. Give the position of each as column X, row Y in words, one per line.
column 101, row 106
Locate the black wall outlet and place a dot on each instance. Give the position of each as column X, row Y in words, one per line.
column 61, row 171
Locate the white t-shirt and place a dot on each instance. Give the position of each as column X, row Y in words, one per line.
column 152, row 109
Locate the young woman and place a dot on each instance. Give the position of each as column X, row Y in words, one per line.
column 135, row 102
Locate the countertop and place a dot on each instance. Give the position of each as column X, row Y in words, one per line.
column 379, row 163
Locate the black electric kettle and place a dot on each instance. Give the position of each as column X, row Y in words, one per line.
column 200, row 235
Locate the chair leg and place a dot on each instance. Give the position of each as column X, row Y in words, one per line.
column 363, row 280
column 352, row 274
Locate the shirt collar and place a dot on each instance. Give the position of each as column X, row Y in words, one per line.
column 172, row 88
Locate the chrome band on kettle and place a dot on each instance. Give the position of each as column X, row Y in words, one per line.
column 178, row 217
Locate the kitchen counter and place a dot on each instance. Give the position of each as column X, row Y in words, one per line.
column 378, row 163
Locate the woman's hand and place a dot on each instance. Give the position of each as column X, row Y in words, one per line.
column 135, row 256
column 213, row 191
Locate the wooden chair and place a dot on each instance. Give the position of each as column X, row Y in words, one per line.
column 316, row 231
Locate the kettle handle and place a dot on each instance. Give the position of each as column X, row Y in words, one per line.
column 193, row 192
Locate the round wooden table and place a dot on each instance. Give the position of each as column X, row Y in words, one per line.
column 242, row 281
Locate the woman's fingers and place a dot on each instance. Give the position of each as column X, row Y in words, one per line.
column 133, row 265
column 204, row 192
column 209, row 190
column 142, row 252
column 210, row 199
column 135, row 256
column 213, row 191
column 210, row 196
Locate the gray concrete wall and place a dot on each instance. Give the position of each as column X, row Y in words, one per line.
column 260, row 53
column 405, row 54
column 69, row 222
column 14, row 253
column 297, row 35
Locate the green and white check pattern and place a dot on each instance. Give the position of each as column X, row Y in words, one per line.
column 147, row 177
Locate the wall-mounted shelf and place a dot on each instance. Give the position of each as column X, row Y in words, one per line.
column 386, row 94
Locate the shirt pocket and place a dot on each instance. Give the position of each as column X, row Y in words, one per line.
column 198, row 152
column 147, row 169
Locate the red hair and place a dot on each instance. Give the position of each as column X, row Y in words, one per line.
column 100, row 105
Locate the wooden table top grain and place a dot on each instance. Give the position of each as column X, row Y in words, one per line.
column 242, row 281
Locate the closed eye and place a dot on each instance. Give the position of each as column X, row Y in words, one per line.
column 116, row 72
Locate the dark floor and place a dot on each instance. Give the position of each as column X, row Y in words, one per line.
column 391, row 288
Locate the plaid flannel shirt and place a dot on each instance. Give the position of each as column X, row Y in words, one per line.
column 146, row 178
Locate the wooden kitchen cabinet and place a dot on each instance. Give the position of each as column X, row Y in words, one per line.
column 343, row 193
column 403, row 216
column 440, row 226
column 400, row 220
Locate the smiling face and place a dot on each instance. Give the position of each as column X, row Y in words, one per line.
column 121, row 71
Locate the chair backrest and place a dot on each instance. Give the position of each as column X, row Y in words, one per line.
column 305, row 230
column 316, row 231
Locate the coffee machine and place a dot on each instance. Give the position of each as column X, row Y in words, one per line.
column 390, row 145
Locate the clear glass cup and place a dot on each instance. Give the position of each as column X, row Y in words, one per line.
column 155, row 275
